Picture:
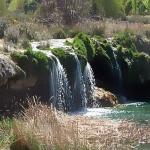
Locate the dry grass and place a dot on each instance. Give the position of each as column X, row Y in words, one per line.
column 108, row 27
column 42, row 127
column 113, row 26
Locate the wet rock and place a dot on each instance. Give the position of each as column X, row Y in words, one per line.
column 23, row 83
column 104, row 98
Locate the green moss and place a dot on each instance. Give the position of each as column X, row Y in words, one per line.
column 83, row 45
column 66, row 58
column 125, row 39
column 134, row 66
column 101, row 50
column 60, row 53
column 29, row 59
column 69, row 62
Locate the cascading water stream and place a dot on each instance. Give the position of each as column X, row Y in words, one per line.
column 84, row 84
column 78, row 91
column 118, row 76
column 89, row 82
column 116, row 70
column 59, row 88
column 60, row 94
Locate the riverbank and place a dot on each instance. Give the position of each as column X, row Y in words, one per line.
column 41, row 126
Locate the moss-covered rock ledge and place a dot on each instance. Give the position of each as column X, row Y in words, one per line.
column 118, row 63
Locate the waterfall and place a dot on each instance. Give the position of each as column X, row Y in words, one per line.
column 60, row 94
column 89, row 81
column 69, row 95
column 116, row 69
column 59, row 87
column 78, row 90
column 84, row 84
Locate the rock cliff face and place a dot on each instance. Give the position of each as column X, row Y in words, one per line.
column 9, row 70
column 16, row 85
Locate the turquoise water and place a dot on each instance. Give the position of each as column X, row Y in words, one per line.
column 138, row 112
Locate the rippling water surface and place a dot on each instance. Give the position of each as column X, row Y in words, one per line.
column 138, row 112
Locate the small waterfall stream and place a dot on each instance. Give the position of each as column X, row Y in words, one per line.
column 59, row 88
column 84, row 84
column 89, row 82
column 116, row 70
column 60, row 94
column 78, row 91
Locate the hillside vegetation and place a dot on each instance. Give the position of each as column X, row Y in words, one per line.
column 71, row 11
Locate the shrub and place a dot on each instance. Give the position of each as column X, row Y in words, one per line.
column 30, row 34
column 60, row 34
column 72, row 33
column 26, row 44
column 90, row 27
column 12, row 34
column 3, row 27
column 29, row 31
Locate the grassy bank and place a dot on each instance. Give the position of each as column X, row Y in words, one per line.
column 43, row 128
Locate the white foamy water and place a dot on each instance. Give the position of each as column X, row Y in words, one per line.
column 89, row 82
column 53, row 43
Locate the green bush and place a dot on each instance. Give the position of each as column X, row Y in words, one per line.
column 12, row 34
column 20, row 58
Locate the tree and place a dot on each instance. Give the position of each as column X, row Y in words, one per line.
column 112, row 8
column 15, row 5
column 134, row 6
column 3, row 7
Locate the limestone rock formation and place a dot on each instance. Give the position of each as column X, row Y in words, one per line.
column 9, row 70
column 104, row 98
